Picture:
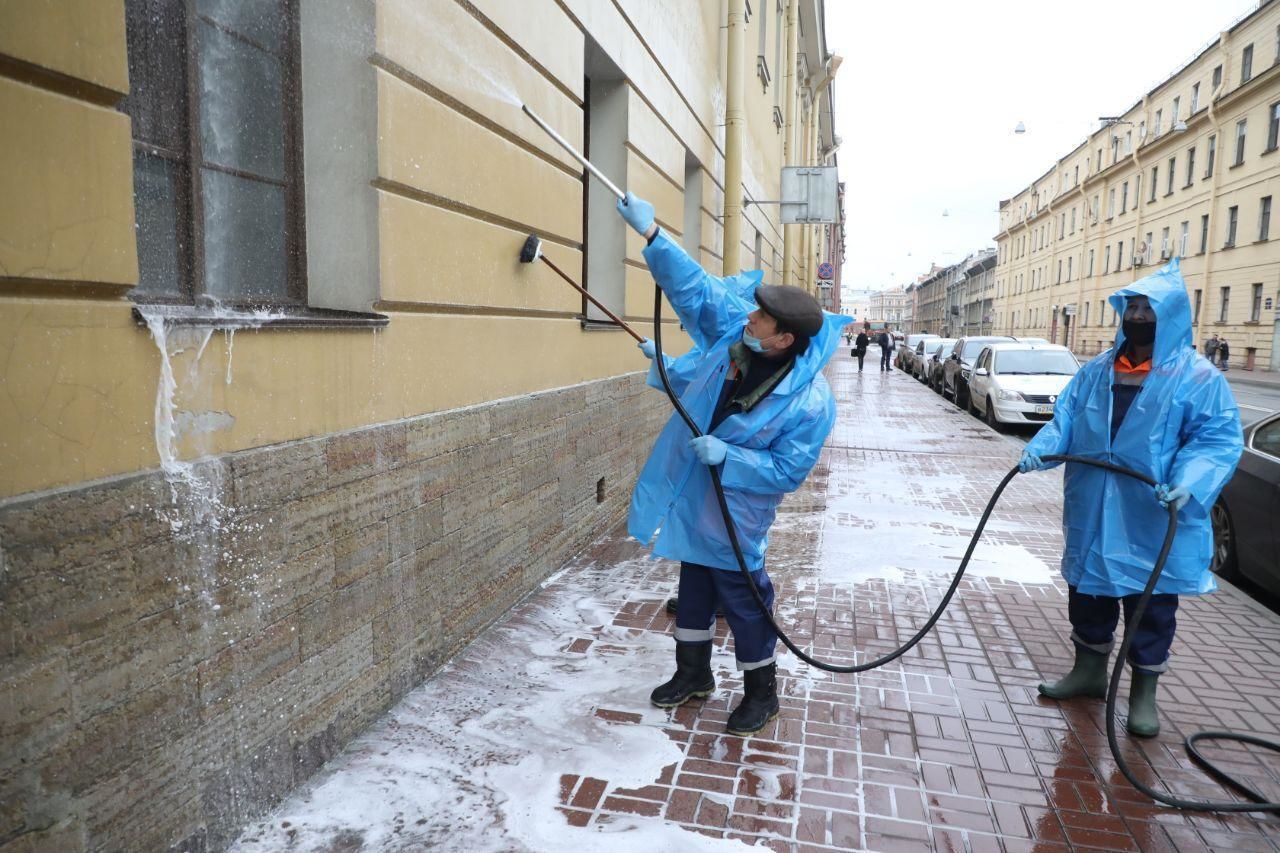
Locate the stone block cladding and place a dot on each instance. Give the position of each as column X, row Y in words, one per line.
column 176, row 656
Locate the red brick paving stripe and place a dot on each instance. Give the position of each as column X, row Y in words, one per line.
column 646, row 808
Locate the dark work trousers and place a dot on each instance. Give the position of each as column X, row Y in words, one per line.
column 886, row 355
column 701, row 587
column 860, row 354
column 1094, row 619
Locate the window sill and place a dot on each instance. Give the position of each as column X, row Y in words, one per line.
column 1188, row 185
column 1235, row 165
column 1169, row 193
column 1267, row 151
column 600, row 326
column 278, row 318
column 1251, row 323
column 1261, row 240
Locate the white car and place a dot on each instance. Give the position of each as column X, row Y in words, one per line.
column 907, row 350
column 1019, row 383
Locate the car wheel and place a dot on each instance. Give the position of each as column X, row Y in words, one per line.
column 1223, row 563
column 992, row 420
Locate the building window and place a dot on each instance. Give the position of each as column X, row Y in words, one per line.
column 1195, row 98
column 1217, row 80
column 1069, row 265
column 1277, row 59
column 1111, row 203
column 1090, row 273
column 1224, row 305
column 1173, row 116
column 1155, row 129
column 1106, row 257
column 1173, row 165
column 1165, row 248
column 1191, row 166
column 1124, row 197
column 1204, row 234
column 1209, row 157
column 217, row 167
column 1233, row 217
column 1241, row 128
column 605, row 125
column 1184, row 238
column 1119, row 255
column 1255, row 307
column 1195, row 317
column 1264, row 218
column 1085, row 320
column 1246, row 64
column 1155, row 175
column 1273, row 127
column 1059, row 278
column 691, row 239
column 1073, row 220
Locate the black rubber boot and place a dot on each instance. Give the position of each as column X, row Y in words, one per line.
column 693, row 677
column 1087, row 678
column 1144, row 721
column 759, row 703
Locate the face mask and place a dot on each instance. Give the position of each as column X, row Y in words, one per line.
column 1139, row 333
column 755, row 344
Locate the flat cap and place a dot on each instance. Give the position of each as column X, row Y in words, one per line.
column 794, row 307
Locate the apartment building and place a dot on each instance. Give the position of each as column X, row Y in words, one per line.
column 1189, row 171
column 285, row 419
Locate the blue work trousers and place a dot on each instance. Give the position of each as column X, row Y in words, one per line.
column 701, row 587
column 1094, row 619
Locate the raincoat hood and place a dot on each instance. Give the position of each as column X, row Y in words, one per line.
column 1168, row 294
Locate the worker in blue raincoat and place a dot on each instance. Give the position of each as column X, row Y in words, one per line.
column 1150, row 403
column 753, row 384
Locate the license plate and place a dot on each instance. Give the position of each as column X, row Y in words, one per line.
column 1044, row 410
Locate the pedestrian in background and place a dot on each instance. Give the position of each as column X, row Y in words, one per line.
column 885, row 340
column 1211, row 349
column 860, row 345
column 1151, row 404
column 1224, row 352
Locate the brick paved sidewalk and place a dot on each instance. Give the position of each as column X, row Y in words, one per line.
column 539, row 736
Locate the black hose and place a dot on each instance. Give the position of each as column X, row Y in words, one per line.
column 1259, row 802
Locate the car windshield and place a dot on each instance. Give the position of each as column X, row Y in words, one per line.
column 1040, row 362
column 932, row 346
column 974, row 347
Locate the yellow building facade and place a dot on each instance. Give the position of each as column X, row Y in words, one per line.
column 283, row 414
column 1190, row 172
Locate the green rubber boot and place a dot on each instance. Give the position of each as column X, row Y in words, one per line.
column 1087, row 678
column 1143, row 718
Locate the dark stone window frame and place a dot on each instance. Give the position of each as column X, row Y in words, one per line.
column 163, row 38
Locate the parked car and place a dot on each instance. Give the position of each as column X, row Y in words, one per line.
column 1246, row 538
column 1019, row 383
column 906, row 354
column 925, row 352
column 933, row 367
column 957, row 365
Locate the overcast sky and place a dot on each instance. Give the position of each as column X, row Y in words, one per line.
column 929, row 94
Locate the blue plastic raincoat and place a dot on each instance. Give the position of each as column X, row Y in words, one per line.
column 1183, row 429
column 772, row 447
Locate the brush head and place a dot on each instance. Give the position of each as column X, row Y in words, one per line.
column 532, row 249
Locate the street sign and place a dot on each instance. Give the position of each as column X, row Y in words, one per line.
column 809, row 195
column 825, row 270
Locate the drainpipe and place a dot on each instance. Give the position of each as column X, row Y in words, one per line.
column 811, row 157
column 790, row 95
column 734, row 119
column 1215, row 121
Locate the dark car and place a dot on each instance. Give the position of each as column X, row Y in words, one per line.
column 957, row 366
column 1246, row 537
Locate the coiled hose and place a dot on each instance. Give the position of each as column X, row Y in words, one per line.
column 1259, row 803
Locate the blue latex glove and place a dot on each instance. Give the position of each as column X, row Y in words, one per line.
column 709, row 449
column 649, row 349
column 1030, row 462
column 1176, row 495
column 637, row 212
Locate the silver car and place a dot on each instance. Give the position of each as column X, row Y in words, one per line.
column 1019, row 383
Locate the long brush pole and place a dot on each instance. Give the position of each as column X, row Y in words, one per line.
column 596, row 302
column 613, row 188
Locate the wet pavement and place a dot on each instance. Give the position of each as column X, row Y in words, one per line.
column 539, row 736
